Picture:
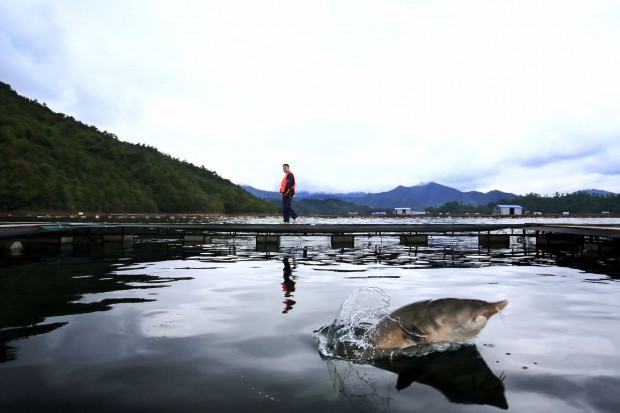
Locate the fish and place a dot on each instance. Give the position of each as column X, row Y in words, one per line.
column 432, row 321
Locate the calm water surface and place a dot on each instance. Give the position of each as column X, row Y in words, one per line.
column 171, row 328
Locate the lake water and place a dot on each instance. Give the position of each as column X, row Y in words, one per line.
column 163, row 327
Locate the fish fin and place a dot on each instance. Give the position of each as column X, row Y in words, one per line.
column 412, row 332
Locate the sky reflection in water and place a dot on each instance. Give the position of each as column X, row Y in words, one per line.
column 213, row 328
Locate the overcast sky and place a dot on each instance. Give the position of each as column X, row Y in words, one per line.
column 520, row 96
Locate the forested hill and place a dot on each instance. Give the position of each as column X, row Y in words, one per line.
column 49, row 161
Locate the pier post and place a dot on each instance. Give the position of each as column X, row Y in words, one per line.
column 343, row 241
column 196, row 239
column 267, row 243
column 418, row 240
column 494, row 241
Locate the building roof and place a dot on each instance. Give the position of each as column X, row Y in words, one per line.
column 509, row 206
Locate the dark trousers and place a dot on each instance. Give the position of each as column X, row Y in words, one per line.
column 287, row 210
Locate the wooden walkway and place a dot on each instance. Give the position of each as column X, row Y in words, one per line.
column 27, row 230
column 597, row 241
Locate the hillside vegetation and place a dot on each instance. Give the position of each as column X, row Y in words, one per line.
column 49, row 161
column 580, row 202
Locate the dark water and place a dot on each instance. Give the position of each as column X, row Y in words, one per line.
column 168, row 328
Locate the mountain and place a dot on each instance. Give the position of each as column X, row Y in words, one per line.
column 596, row 192
column 52, row 162
column 430, row 194
column 348, row 197
column 416, row 197
column 329, row 206
column 260, row 193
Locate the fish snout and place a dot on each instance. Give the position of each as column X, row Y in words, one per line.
column 493, row 308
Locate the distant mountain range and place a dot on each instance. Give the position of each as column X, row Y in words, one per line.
column 596, row 192
column 416, row 197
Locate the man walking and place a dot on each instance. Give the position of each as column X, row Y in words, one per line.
column 287, row 189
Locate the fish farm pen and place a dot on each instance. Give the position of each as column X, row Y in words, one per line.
column 586, row 241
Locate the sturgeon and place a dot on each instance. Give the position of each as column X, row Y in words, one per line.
column 433, row 321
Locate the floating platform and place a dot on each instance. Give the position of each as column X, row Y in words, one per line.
column 576, row 239
column 10, row 230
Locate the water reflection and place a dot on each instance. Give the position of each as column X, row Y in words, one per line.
column 222, row 338
column 9, row 353
column 461, row 375
column 288, row 286
column 33, row 289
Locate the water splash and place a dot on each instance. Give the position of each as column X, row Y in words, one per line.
column 345, row 338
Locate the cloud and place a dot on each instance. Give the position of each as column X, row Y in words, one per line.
column 519, row 96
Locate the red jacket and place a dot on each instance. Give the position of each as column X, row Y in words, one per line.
column 288, row 184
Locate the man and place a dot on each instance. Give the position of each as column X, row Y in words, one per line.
column 287, row 189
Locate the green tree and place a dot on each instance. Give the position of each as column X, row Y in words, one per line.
column 49, row 161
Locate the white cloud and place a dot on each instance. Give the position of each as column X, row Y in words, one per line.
column 520, row 96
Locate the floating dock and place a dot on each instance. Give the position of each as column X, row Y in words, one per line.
column 595, row 240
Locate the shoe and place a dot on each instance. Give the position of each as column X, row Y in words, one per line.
column 296, row 220
column 283, row 222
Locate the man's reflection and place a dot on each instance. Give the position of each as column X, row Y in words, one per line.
column 288, row 286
